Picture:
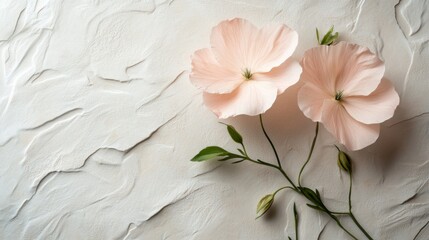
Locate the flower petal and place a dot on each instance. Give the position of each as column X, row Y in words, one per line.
column 345, row 67
column 210, row 76
column 283, row 76
column 310, row 101
column 377, row 107
column 352, row 134
column 251, row 98
column 362, row 71
column 318, row 69
column 238, row 44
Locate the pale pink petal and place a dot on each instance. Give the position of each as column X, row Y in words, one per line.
column 319, row 69
column 345, row 67
column 310, row 101
column 361, row 72
column 210, row 76
column 251, row 98
column 283, row 76
column 273, row 45
column 377, row 107
column 237, row 44
column 352, row 134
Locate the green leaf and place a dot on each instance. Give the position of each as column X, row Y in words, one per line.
column 311, row 195
column 210, row 153
column 234, row 134
column 315, row 207
column 238, row 161
column 317, row 36
column 295, row 213
column 227, row 158
column 241, row 151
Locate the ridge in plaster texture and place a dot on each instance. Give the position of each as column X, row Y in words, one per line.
column 99, row 120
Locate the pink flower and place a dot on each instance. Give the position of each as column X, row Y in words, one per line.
column 245, row 68
column 345, row 91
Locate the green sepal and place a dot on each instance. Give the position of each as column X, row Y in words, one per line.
column 328, row 38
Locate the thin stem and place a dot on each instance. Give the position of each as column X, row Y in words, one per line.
column 296, row 190
column 340, row 213
column 273, row 166
column 269, row 140
column 350, row 192
column 244, row 148
column 278, row 190
column 341, row 226
column 309, row 154
column 279, row 167
column 350, row 210
column 295, row 213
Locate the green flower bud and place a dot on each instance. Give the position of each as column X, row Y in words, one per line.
column 344, row 161
column 264, row 204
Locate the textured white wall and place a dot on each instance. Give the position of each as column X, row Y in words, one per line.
column 98, row 123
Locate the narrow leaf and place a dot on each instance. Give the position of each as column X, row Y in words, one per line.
column 234, row 134
column 226, row 158
column 315, row 207
column 241, row 151
column 209, row 153
column 317, row 36
column 239, row 161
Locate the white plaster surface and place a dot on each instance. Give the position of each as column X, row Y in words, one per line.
column 99, row 120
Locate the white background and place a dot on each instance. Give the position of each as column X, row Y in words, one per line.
column 99, row 120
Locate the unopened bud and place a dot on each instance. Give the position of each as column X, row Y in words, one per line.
column 264, row 204
column 344, row 161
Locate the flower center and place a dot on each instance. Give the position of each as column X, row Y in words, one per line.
column 247, row 74
column 338, row 95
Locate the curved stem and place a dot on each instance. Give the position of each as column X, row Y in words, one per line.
column 341, row 226
column 309, row 154
column 269, row 140
column 279, row 167
column 350, row 210
column 278, row 190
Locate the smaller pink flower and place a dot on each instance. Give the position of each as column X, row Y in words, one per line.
column 245, row 68
column 343, row 89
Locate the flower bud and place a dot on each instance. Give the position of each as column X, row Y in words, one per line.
column 344, row 161
column 264, row 204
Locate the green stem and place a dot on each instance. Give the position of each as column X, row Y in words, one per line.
column 341, row 226
column 273, row 166
column 340, row 213
column 295, row 213
column 269, row 140
column 350, row 210
column 279, row 168
column 309, row 154
column 278, row 190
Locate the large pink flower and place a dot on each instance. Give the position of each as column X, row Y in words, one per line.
column 245, row 68
column 345, row 91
